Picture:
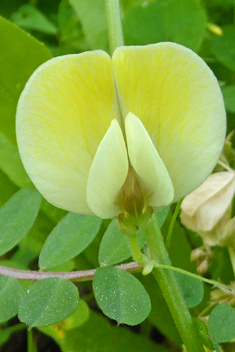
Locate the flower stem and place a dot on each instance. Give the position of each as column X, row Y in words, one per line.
column 114, row 24
column 171, row 290
column 135, row 249
column 31, row 346
column 188, row 273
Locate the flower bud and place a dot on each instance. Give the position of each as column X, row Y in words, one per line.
column 207, row 209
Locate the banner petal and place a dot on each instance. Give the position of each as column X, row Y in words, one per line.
column 63, row 113
column 178, row 99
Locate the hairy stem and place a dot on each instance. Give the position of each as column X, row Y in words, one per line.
column 82, row 275
column 171, row 290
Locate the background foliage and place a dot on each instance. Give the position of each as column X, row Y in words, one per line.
column 35, row 235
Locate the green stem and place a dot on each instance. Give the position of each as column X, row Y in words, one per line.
column 188, row 273
column 172, row 223
column 15, row 328
column 114, row 24
column 135, row 249
column 171, row 290
column 31, row 345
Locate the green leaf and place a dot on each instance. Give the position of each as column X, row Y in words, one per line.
column 191, row 288
column 9, row 291
column 11, row 164
column 69, row 238
column 47, row 302
column 229, row 97
column 223, row 47
column 181, row 21
column 222, row 323
column 93, row 18
column 121, row 296
column 17, row 217
column 22, row 55
column 29, row 17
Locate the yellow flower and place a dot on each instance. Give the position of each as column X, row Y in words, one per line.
column 100, row 135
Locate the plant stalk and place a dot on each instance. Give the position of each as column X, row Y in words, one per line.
column 31, row 345
column 114, row 24
column 171, row 290
column 135, row 249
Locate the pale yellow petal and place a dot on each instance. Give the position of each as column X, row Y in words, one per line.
column 107, row 174
column 178, row 99
column 63, row 113
column 205, row 206
column 147, row 163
